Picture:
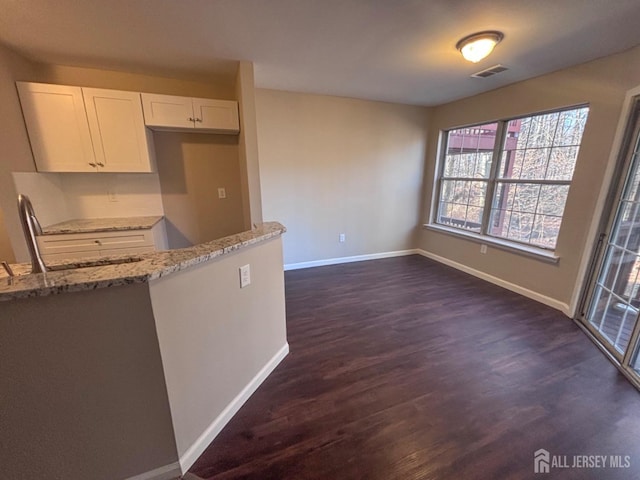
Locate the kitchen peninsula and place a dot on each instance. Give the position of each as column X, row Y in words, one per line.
column 129, row 370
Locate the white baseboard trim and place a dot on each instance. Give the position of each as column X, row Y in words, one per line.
column 168, row 472
column 355, row 258
column 194, row 451
column 538, row 297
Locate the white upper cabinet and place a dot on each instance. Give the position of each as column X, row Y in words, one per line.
column 121, row 142
column 75, row 129
column 167, row 112
column 57, row 126
column 220, row 115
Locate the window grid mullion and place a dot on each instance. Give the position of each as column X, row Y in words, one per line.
column 531, row 181
column 553, row 145
column 435, row 213
column 491, row 184
column 511, row 212
column 535, row 211
column 465, row 179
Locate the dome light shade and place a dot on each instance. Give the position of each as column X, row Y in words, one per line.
column 477, row 46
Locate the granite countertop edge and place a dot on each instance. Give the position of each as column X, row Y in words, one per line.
column 151, row 266
column 98, row 225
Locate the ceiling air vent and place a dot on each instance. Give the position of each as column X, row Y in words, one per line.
column 490, row 71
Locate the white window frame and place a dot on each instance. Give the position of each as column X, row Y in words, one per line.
column 525, row 248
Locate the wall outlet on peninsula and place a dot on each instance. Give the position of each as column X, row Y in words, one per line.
column 245, row 275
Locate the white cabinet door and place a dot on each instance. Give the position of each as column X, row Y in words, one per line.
column 167, row 111
column 120, row 140
column 57, row 125
column 216, row 115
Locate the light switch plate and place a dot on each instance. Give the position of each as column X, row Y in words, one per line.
column 245, row 275
column 222, row 193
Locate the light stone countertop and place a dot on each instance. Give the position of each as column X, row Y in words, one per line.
column 149, row 267
column 90, row 225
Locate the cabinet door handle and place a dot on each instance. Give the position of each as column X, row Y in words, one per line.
column 198, row 120
column 191, row 119
column 100, row 164
column 92, row 164
column 98, row 242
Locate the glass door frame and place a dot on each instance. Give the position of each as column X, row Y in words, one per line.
column 609, row 214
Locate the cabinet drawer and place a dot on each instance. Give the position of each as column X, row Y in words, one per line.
column 95, row 243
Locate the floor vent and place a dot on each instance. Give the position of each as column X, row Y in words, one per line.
column 490, row 71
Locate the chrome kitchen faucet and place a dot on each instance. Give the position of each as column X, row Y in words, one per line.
column 31, row 228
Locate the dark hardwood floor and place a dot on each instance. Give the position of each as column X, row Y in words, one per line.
column 406, row 369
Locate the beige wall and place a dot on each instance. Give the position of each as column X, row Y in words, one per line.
column 332, row 165
column 216, row 338
column 248, row 143
column 15, row 154
column 601, row 83
column 136, row 82
column 6, row 252
column 191, row 167
column 82, row 388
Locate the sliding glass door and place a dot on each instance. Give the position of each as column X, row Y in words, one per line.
column 614, row 308
column 613, row 303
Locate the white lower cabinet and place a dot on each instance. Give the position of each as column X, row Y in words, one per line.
column 74, row 246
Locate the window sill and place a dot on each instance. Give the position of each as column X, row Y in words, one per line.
column 513, row 247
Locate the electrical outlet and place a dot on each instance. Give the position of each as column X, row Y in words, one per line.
column 483, row 249
column 222, row 193
column 342, row 238
column 112, row 195
column 245, row 275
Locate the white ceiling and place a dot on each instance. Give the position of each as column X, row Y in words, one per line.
column 392, row 50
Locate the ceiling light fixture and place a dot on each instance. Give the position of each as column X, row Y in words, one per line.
column 477, row 46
